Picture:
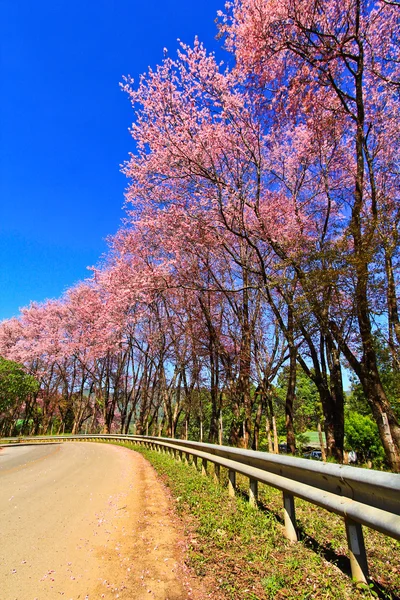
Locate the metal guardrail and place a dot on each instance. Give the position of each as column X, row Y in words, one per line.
column 360, row 496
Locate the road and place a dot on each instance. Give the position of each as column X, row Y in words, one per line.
column 86, row 521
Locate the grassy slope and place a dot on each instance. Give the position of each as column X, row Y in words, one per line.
column 313, row 437
column 244, row 552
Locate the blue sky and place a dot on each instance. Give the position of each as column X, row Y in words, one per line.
column 64, row 128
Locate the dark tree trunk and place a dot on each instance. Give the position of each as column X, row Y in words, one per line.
column 291, row 389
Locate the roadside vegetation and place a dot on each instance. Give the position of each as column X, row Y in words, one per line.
column 22, row 413
column 242, row 553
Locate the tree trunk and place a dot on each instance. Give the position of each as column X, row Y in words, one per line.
column 337, row 397
column 393, row 313
column 257, row 421
column 245, row 354
column 362, row 238
column 291, row 389
column 321, row 442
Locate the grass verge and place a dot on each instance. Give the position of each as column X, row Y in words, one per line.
column 243, row 550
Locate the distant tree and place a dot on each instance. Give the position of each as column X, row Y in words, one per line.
column 390, row 377
column 362, row 435
column 15, row 388
column 307, row 409
column 389, row 372
column 356, row 402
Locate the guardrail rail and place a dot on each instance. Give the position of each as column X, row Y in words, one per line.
column 360, row 496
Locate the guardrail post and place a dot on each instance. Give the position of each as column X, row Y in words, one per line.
column 358, row 556
column 290, row 517
column 253, row 492
column 204, row 467
column 232, row 482
column 195, row 462
column 217, row 473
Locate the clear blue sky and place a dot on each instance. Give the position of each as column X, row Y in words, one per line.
column 64, row 128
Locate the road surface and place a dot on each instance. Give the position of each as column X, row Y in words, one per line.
column 86, row 521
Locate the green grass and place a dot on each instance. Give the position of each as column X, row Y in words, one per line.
column 243, row 554
column 313, row 437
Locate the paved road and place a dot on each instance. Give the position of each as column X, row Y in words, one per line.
column 86, row 521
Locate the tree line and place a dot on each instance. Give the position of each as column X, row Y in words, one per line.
column 261, row 235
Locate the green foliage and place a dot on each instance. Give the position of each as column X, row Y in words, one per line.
column 390, row 375
column 15, row 384
column 307, row 409
column 356, row 401
column 362, row 435
column 200, row 411
column 302, row 441
column 390, row 378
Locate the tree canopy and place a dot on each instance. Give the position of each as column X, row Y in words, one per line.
column 16, row 386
